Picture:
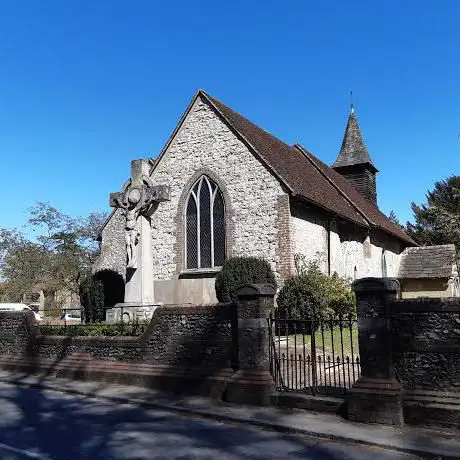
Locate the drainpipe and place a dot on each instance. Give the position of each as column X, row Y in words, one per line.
column 329, row 247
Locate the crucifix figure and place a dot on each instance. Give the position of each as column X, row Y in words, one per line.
column 139, row 199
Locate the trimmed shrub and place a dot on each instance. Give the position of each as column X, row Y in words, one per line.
column 134, row 329
column 312, row 295
column 237, row 271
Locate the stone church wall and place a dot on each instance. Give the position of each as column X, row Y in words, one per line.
column 349, row 247
column 310, row 235
column 205, row 145
column 113, row 253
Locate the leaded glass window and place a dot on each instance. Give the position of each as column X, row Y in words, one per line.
column 205, row 225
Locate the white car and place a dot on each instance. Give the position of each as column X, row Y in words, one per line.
column 19, row 307
column 71, row 317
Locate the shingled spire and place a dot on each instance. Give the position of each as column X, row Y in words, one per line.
column 354, row 162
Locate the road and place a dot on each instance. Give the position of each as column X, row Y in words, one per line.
column 47, row 425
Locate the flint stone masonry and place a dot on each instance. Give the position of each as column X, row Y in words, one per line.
column 126, row 349
column 426, row 338
column 206, row 143
column 192, row 335
column 220, row 350
column 185, row 335
column 113, row 248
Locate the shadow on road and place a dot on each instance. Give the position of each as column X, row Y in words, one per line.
column 60, row 426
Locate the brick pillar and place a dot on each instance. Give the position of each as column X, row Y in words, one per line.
column 253, row 382
column 377, row 396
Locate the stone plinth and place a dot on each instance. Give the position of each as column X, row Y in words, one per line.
column 253, row 382
column 377, row 396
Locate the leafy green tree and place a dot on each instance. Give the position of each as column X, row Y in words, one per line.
column 394, row 218
column 438, row 221
column 56, row 253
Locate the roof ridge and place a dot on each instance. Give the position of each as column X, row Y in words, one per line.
column 212, row 101
column 306, row 154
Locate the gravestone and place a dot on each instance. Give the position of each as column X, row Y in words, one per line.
column 139, row 199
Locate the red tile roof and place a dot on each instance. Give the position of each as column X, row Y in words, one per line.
column 306, row 176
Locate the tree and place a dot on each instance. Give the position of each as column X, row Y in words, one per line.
column 393, row 218
column 57, row 253
column 438, row 221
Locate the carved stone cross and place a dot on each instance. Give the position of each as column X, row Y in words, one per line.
column 139, row 199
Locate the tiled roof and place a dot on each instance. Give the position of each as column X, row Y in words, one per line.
column 427, row 262
column 373, row 215
column 353, row 150
column 306, row 176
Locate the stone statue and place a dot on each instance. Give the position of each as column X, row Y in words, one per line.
column 131, row 237
column 137, row 198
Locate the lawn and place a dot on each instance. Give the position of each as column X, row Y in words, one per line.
column 328, row 343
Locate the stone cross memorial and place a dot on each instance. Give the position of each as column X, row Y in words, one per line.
column 139, row 199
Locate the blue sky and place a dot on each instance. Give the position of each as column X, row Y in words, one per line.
column 87, row 86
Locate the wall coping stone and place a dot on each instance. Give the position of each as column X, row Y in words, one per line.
column 376, row 285
column 192, row 309
column 123, row 341
column 259, row 290
column 426, row 305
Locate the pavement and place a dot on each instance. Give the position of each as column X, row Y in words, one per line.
column 232, row 431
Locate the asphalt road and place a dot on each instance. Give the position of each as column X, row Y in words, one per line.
column 46, row 425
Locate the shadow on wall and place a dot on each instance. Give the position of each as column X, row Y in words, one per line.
column 185, row 349
column 113, row 287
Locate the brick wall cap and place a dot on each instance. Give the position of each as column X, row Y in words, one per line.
column 376, row 284
column 256, row 290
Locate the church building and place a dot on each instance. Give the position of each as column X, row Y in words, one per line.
column 236, row 190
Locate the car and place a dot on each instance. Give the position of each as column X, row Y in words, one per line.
column 70, row 316
column 19, row 307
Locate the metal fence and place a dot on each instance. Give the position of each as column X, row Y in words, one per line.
column 314, row 357
column 119, row 320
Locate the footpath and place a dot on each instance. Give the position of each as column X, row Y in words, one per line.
column 428, row 443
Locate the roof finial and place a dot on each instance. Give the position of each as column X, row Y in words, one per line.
column 352, row 107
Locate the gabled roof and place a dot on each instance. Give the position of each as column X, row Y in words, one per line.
column 428, row 262
column 307, row 177
column 373, row 215
column 353, row 150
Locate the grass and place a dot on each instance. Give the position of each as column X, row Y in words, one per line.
column 330, row 342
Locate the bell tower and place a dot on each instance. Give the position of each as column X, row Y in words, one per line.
column 354, row 162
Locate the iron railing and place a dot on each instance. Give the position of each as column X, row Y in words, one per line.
column 314, row 357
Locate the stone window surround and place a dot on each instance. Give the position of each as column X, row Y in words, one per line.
column 179, row 246
column 195, row 196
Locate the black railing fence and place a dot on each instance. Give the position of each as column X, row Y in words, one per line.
column 118, row 320
column 314, row 356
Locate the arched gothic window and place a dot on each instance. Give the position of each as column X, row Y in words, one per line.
column 205, row 225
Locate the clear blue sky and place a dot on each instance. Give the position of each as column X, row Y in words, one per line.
column 87, row 86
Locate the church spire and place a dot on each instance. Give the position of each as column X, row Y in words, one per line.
column 353, row 150
column 354, row 161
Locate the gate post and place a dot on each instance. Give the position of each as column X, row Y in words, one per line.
column 377, row 396
column 253, row 382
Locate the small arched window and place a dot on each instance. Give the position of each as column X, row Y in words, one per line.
column 384, row 264
column 205, row 225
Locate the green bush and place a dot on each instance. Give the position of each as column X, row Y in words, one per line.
column 91, row 293
column 312, row 295
column 237, row 271
column 134, row 329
